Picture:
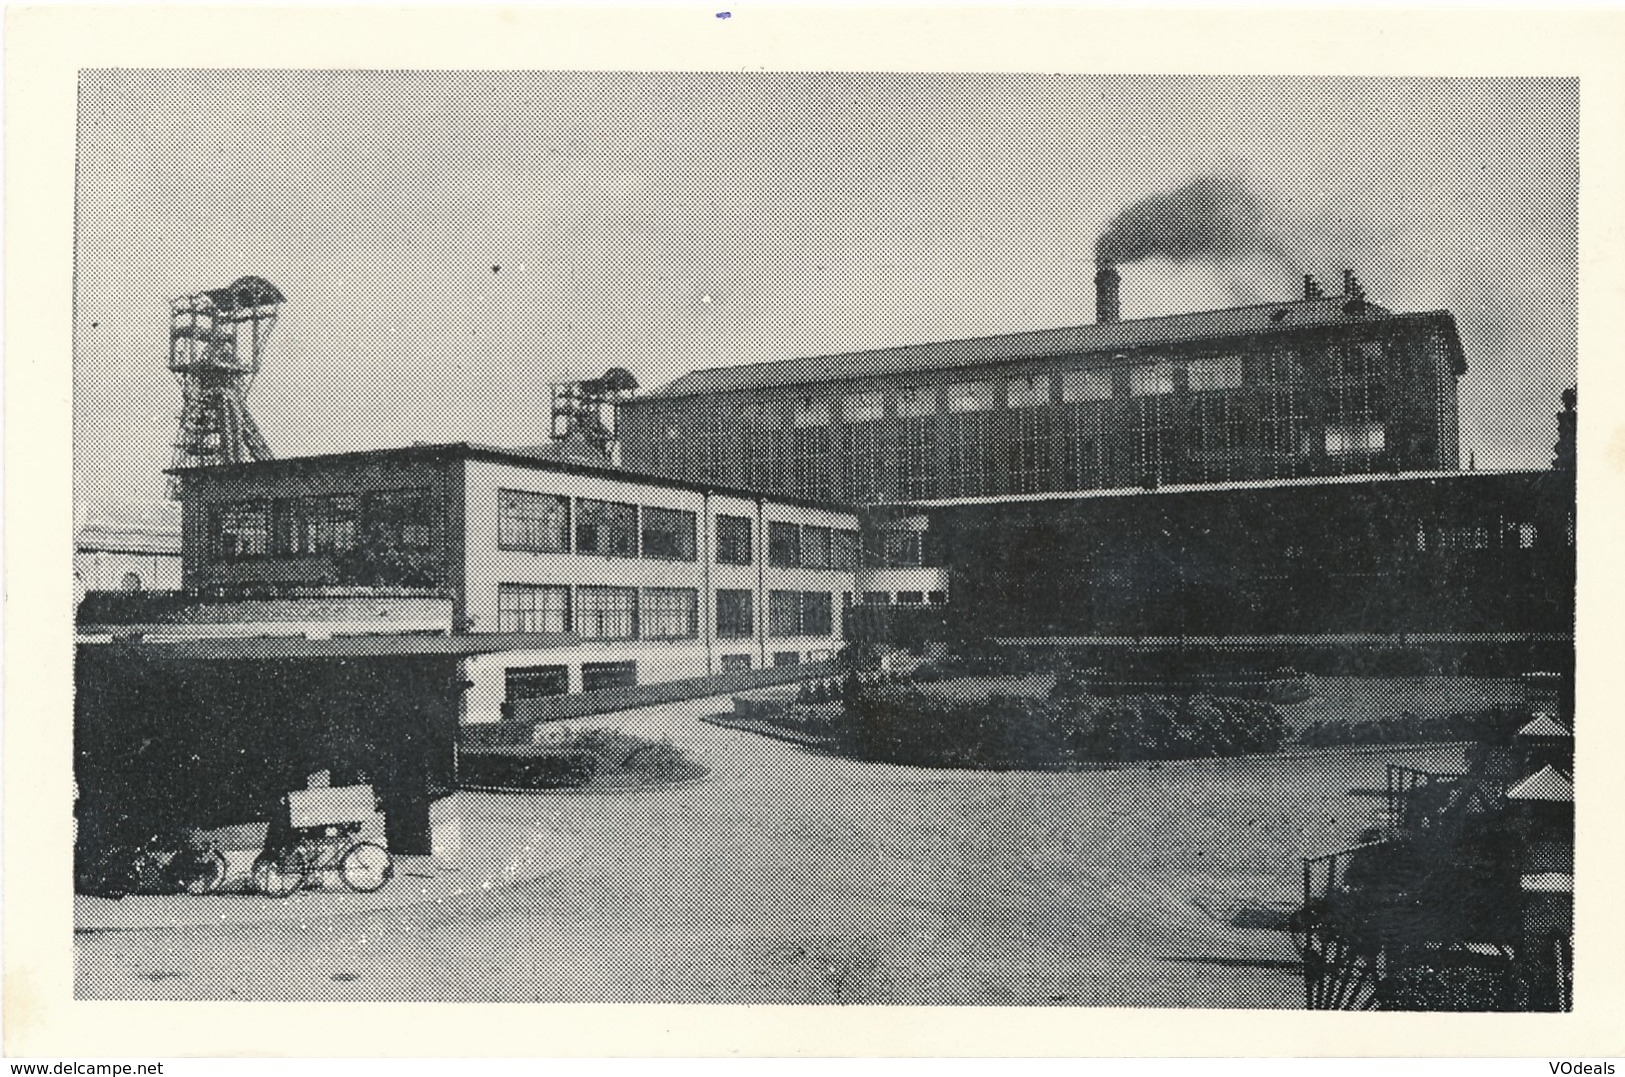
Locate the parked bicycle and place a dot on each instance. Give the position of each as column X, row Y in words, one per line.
column 324, row 824
column 164, row 863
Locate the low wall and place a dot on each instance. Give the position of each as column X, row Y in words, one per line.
column 524, row 715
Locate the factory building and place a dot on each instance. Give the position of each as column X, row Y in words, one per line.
column 623, row 578
column 1316, row 386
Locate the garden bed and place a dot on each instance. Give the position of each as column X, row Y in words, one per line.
column 590, row 759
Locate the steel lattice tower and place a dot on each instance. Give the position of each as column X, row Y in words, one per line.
column 216, row 341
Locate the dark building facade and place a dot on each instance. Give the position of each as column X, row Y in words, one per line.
column 1318, row 386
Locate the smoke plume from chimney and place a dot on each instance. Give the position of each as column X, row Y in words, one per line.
column 1214, row 217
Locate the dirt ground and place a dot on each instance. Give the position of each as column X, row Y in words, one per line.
column 785, row 876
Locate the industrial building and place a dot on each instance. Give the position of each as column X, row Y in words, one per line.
column 631, row 578
column 127, row 547
column 1316, row 386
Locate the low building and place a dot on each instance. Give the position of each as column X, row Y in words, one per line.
column 635, row 578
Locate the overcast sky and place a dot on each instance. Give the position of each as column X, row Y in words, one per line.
column 449, row 244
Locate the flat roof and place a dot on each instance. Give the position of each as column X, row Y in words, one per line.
column 535, row 459
column 1363, row 479
column 381, row 646
column 1264, row 318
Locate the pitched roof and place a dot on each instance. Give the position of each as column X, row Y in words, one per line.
column 1544, row 726
column 1548, row 784
column 1047, row 343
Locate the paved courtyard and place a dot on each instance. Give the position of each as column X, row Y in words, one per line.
column 789, row 877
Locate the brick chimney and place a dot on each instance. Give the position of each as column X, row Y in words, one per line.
column 1107, row 288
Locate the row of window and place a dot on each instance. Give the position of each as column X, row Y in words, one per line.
column 596, row 612
column 326, row 524
column 1362, row 361
column 798, row 546
column 542, row 523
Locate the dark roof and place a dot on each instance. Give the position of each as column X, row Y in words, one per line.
column 1049, row 343
column 539, row 459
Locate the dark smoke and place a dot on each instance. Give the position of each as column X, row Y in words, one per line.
column 1213, row 217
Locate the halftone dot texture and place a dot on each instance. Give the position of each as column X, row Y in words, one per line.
column 451, row 243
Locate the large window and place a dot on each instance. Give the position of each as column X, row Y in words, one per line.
column 668, row 534
column 529, row 607
column 817, row 614
column 607, row 612
column 784, row 613
column 1156, row 379
column 860, row 407
column 735, row 614
column 970, row 447
column 814, row 463
column 1030, row 392
column 1153, row 439
column 670, row 613
column 607, row 528
column 815, row 547
column 401, row 519
column 971, row 396
column 536, row 522
column 784, row 545
column 314, row 525
column 733, row 540
column 914, row 401
column 800, row 613
column 1029, row 452
column 240, row 529
column 917, row 459
column 843, row 549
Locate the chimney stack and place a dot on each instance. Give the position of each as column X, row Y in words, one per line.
column 1311, row 288
column 1107, row 288
column 1351, row 285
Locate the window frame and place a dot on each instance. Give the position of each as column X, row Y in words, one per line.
column 512, row 618
column 685, row 540
column 506, row 540
column 599, row 613
column 731, row 522
column 736, row 619
column 599, row 508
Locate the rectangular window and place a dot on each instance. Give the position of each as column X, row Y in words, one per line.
column 1281, row 366
column 867, row 449
column 911, row 598
column 539, row 523
column 734, row 663
column 784, row 545
column 917, row 459
column 1348, row 438
column 733, row 540
column 937, row 598
column 1223, row 372
column 815, row 547
column 1283, row 433
column 240, row 529
column 914, row 402
column 537, row 682
column 895, row 549
column 402, row 519
column 597, row 675
column 668, row 534
column 814, row 464
column 970, row 446
column 786, row 658
column 784, row 613
column 876, row 598
column 607, row 612
column 528, row 607
column 817, row 614
column 607, row 528
column 736, row 617
column 972, row 396
column 1078, row 386
column 862, row 406
column 315, row 525
column 669, row 613
column 1155, row 379
column 1029, row 453
column 810, row 412
column 1029, row 392
column 843, row 549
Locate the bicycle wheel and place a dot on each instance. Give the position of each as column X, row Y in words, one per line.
column 366, row 867
column 278, row 874
column 205, row 873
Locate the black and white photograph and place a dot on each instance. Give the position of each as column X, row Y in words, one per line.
column 825, row 538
